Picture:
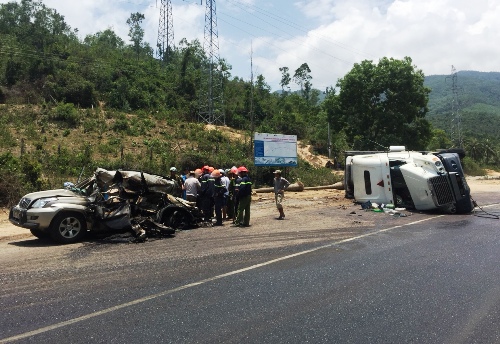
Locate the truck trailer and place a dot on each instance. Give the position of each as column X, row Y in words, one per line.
column 409, row 179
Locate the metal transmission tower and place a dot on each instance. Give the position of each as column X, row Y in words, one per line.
column 456, row 118
column 165, row 41
column 211, row 108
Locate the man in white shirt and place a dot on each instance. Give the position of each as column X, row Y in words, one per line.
column 191, row 186
column 225, row 181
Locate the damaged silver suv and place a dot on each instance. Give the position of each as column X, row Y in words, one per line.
column 119, row 200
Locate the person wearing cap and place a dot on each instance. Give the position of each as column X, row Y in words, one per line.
column 192, row 186
column 220, row 190
column 243, row 191
column 280, row 185
column 179, row 183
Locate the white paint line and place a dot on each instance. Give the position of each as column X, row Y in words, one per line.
column 187, row 286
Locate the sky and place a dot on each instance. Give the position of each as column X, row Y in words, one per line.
column 260, row 36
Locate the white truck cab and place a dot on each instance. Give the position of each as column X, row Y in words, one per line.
column 415, row 180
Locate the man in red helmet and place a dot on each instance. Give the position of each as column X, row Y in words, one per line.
column 243, row 189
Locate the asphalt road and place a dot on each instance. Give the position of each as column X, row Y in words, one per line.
column 428, row 279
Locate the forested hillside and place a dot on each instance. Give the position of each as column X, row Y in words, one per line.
column 70, row 103
column 477, row 102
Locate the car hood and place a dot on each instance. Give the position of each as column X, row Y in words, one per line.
column 53, row 193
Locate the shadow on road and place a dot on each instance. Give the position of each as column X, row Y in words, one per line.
column 110, row 237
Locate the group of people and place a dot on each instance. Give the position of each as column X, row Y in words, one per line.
column 225, row 192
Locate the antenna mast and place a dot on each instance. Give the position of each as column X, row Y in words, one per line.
column 211, row 109
column 165, row 42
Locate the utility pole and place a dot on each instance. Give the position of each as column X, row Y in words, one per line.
column 211, row 109
column 165, row 42
column 329, row 143
column 252, row 127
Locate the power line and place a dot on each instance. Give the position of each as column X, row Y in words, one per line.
column 291, row 24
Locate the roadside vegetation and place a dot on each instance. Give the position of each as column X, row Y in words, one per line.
column 71, row 105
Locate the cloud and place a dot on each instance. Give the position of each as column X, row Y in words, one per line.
column 329, row 35
column 91, row 16
column 436, row 34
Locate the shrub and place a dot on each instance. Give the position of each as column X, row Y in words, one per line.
column 65, row 113
column 121, row 125
column 472, row 168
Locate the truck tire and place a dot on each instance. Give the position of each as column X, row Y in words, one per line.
column 68, row 228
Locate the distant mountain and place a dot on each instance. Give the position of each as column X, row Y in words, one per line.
column 478, row 102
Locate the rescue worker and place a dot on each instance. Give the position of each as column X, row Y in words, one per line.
column 243, row 190
column 219, row 194
column 280, row 185
column 206, row 194
column 232, row 205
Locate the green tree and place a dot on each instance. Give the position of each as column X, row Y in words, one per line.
column 136, row 32
column 302, row 77
column 439, row 140
column 285, row 79
column 384, row 104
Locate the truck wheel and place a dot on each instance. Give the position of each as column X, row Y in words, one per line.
column 67, row 228
column 39, row 234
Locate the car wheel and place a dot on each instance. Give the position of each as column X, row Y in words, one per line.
column 39, row 234
column 68, row 228
column 179, row 220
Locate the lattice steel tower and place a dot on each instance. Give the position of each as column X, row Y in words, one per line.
column 211, row 109
column 165, row 43
column 456, row 118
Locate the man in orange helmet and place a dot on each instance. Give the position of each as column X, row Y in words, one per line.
column 206, row 194
column 219, row 194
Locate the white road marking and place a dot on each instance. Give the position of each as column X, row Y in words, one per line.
column 187, row 286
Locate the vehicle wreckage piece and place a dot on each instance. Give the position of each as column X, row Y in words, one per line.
column 119, row 200
column 410, row 179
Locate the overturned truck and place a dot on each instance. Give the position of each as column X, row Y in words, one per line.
column 410, row 179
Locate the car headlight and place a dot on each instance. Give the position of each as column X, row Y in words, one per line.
column 42, row 202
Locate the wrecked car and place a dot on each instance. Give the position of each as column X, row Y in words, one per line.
column 410, row 179
column 108, row 200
